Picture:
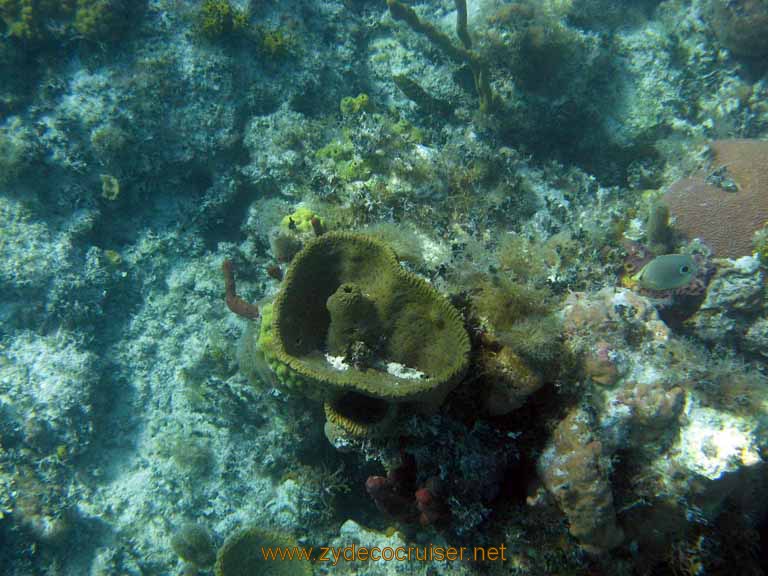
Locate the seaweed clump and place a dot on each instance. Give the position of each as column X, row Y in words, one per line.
column 519, row 341
column 219, row 18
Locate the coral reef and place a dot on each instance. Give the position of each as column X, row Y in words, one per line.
column 218, row 19
column 34, row 21
column 511, row 155
column 459, row 54
column 654, row 400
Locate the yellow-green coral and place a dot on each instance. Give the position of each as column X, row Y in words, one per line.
column 97, row 18
column 354, row 170
column 35, row 20
column 217, row 18
column 110, row 187
column 336, row 150
column 407, row 131
column 301, row 220
column 194, row 544
column 356, row 105
column 359, row 416
column 519, row 317
column 760, row 242
column 276, row 43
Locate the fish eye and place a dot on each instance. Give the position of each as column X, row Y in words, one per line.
column 685, row 268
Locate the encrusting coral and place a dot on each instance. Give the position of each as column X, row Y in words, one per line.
column 193, row 543
column 572, row 471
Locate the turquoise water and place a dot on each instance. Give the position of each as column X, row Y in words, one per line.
column 441, row 287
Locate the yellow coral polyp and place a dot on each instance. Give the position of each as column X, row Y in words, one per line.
column 301, row 220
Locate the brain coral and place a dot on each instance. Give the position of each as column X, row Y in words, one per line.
column 727, row 203
column 351, row 327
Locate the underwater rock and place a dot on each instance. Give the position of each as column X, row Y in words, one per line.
column 600, row 364
column 352, row 534
column 655, row 413
column 683, row 460
column 573, row 472
column 193, row 543
column 756, row 338
column 52, row 380
column 716, row 458
column 733, row 298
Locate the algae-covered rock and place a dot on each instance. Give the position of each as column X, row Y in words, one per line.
column 734, row 297
column 572, row 470
column 244, row 554
column 351, row 326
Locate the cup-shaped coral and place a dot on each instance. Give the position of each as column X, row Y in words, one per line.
column 350, row 323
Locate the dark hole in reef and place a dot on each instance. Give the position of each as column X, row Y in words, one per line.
column 361, row 408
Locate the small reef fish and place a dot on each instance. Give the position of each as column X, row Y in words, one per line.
column 667, row 272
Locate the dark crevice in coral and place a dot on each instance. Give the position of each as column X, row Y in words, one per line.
column 360, row 408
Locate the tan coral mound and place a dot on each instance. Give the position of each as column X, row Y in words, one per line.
column 727, row 203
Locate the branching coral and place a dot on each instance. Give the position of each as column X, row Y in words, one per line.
column 458, row 54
